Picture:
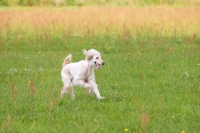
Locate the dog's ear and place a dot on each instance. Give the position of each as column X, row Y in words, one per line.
column 85, row 52
column 88, row 55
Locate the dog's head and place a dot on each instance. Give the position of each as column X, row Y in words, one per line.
column 94, row 57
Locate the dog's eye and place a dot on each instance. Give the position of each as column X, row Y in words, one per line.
column 97, row 57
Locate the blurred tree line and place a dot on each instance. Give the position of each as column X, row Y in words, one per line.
column 96, row 2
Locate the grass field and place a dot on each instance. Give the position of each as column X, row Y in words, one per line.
column 151, row 79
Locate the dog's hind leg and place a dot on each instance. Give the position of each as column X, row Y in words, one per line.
column 71, row 92
column 64, row 90
column 68, row 89
column 68, row 86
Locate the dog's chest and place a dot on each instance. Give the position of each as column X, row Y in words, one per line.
column 87, row 74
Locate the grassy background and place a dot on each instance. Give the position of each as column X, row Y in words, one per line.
column 150, row 80
column 97, row 2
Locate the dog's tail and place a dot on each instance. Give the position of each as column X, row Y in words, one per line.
column 67, row 60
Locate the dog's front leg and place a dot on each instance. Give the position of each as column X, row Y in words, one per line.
column 96, row 91
column 81, row 83
column 84, row 84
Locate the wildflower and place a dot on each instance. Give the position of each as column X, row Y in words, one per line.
column 58, row 125
column 126, row 129
column 198, row 64
column 183, row 131
column 108, row 47
column 95, row 120
column 187, row 75
column 173, row 116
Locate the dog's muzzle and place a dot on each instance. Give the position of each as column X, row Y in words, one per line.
column 98, row 66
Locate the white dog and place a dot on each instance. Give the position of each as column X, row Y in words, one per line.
column 81, row 73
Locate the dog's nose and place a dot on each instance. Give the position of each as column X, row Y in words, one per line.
column 103, row 63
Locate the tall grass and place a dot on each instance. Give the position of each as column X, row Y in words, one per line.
column 159, row 21
column 150, row 80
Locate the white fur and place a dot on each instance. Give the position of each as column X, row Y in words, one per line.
column 81, row 73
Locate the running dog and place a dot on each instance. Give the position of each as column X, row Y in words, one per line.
column 81, row 73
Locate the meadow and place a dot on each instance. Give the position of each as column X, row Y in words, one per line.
column 150, row 79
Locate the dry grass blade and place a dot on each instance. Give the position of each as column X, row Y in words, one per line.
column 79, row 127
column 14, row 92
column 32, row 88
column 145, row 121
column 6, row 123
column 52, row 103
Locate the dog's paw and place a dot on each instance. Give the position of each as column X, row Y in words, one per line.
column 61, row 95
column 72, row 98
column 90, row 92
column 101, row 98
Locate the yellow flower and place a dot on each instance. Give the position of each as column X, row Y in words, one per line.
column 183, row 131
column 58, row 125
column 95, row 120
column 126, row 129
column 174, row 116
column 198, row 64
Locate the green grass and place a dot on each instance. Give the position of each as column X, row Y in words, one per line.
column 151, row 84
